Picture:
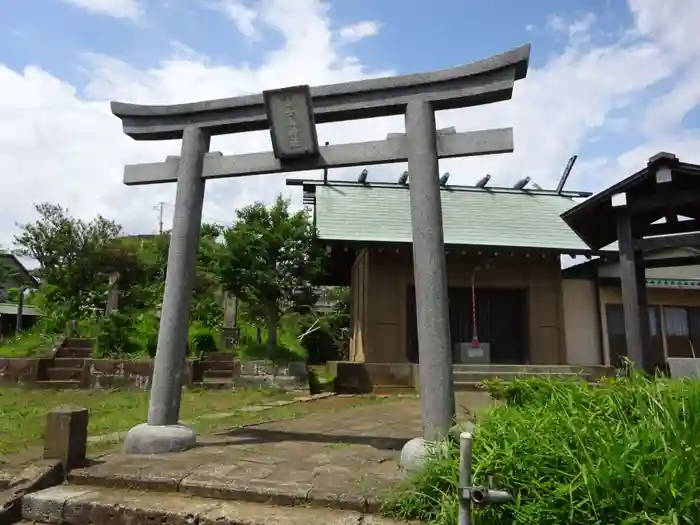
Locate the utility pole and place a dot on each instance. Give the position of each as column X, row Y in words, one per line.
column 160, row 207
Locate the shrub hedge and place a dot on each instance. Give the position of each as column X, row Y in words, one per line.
column 623, row 451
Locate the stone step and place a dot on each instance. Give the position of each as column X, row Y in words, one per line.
column 255, row 381
column 229, row 366
column 476, row 377
column 214, row 384
column 533, row 369
column 56, row 384
column 75, row 342
column 469, row 386
column 68, row 362
column 212, row 374
column 64, row 374
column 85, row 504
column 70, row 351
column 464, row 386
column 218, row 357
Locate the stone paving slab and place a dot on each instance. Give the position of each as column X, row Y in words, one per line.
column 345, row 458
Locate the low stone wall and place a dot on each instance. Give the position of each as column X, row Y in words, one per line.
column 19, row 371
column 117, row 373
column 288, row 376
column 124, row 374
column 364, row 378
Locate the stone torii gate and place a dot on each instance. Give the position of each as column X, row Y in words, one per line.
column 291, row 115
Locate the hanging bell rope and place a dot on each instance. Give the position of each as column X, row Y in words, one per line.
column 475, row 337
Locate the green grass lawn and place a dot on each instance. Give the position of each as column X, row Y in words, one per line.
column 23, row 412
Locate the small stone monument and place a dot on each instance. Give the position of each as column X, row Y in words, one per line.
column 66, row 436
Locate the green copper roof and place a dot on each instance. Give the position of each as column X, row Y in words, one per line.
column 693, row 284
column 11, row 309
column 507, row 218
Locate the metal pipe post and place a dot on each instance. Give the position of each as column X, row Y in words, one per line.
column 430, row 273
column 166, row 389
column 465, row 477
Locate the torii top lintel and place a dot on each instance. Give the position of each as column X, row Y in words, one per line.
column 483, row 82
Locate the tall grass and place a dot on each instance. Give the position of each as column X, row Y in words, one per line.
column 31, row 343
column 625, row 451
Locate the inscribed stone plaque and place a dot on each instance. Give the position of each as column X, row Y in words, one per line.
column 292, row 125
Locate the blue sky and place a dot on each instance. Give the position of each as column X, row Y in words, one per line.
column 613, row 81
column 415, row 35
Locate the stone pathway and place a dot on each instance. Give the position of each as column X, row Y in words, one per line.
column 343, row 457
column 119, row 436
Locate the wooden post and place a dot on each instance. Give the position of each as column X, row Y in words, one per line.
column 20, row 309
column 634, row 293
column 112, row 294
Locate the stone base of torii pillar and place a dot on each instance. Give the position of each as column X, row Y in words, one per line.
column 159, row 439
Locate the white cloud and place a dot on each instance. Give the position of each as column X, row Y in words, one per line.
column 578, row 31
column 356, row 32
column 557, row 23
column 116, row 8
column 243, row 16
column 59, row 145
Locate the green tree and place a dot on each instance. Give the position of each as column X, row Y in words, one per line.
column 207, row 304
column 141, row 262
column 75, row 257
column 270, row 260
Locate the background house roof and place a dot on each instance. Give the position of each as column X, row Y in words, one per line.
column 11, row 309
column 471, row 216
column 686, row 276
column 595, row 219
column 21, row 275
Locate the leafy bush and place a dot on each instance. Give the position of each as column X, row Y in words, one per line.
column 326, row 335
column 288, row 347
column 201, row 340
column 122, row 335
column 136, row 335
column 320, row 381
column 620, row 452
column 322, row 339
column 116, row 336
column 145, row 332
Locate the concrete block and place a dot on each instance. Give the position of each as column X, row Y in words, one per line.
column 46, row 506
column 684, row 366
column 66, row 436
